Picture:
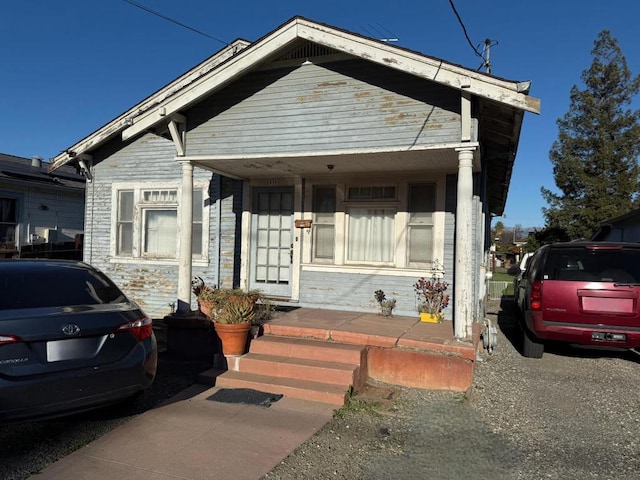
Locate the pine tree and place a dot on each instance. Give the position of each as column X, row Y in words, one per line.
column 595, row 157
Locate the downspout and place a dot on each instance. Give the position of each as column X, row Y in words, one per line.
column 93, row 202
column 218, row 228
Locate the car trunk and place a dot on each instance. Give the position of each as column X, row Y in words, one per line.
column 57, row 339
column 594, row 303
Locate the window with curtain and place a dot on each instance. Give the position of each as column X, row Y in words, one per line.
column 371, row 228
column 8, row 222
column 371, row 235
column 156, row 229
column 421, row 205
column 324, row 207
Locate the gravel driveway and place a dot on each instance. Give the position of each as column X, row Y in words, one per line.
column 574, row 414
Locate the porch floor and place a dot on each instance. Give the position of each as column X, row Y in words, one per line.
column 371, row 329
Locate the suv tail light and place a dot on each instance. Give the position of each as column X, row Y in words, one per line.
column 141, row 328
column 5, row 339
column 535, row 298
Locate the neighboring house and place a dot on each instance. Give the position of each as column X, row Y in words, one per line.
column 41, row 212
column 625, row 228
column 316, row 165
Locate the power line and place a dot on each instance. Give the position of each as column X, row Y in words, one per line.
column 464, row 29
column 169, row 19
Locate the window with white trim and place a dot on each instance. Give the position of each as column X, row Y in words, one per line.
column 324, row 208
column 147, row 223
column 371, row 212
column 377, row 224
column 421, row 206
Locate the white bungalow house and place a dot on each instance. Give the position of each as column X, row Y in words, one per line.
column 314, row 164
column 41, row 213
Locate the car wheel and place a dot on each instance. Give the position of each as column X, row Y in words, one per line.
column 531, row 346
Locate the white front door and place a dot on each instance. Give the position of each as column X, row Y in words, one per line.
column 272, row 241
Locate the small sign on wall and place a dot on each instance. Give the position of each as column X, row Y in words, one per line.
column 303, row 223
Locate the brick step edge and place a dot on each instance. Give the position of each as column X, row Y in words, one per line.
column 309, row 349
column 301, row 389
column 298, row 368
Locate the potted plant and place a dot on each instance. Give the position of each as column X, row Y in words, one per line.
column 386, row 304
column 233, row 315
column 206, row 297
column 432, row 298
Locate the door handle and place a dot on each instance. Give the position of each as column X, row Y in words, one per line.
column 291, row 254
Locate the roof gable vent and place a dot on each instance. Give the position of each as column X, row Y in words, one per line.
column 305, row 50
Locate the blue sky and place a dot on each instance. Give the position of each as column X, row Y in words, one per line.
column 70, row 66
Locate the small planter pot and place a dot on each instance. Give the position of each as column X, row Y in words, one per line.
column 233, row 337
column 431, row 317
column 386, row 310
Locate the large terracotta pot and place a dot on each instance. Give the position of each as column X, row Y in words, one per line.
column 233, row 337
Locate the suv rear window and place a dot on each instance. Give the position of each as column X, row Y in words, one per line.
column 55, row 287
column 593, row 265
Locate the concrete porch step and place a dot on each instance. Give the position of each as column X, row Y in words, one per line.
column 326, row 371
column 316, row 370
column 308, row 349
column 296, row 388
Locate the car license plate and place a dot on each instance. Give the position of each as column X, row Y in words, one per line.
column 609, row 337
column 74, row 348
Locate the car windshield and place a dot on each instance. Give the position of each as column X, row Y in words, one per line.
column 67, row 285
column 582, row 264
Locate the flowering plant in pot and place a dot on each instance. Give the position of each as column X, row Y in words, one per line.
column 432, row 298
column 386, row 304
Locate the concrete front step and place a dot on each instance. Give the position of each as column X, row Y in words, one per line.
column 296, row 388
column 325, row 371
column 308, row 349
column 315, row 370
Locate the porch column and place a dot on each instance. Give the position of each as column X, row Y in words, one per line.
column 463, row 274
column 185, row 232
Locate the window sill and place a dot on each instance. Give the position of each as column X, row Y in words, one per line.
column 365, row 270
column 157, row 261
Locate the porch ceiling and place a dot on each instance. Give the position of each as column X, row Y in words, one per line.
column 414, row 161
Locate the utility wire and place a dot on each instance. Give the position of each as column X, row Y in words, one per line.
column 169, row 19
column 464, row 29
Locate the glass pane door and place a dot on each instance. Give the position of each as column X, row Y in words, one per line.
column 272, row 241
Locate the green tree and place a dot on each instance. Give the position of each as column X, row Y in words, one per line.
column 595, row 157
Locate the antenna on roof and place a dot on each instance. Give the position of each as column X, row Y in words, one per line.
column 383, row 36
column 486, row 57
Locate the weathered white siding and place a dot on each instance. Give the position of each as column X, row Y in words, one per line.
column 149, row 159
column 310, row 108
column 42, row 209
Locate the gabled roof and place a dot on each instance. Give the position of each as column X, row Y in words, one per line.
column 238, row 58
column 33, row 171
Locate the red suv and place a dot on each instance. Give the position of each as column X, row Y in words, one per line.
column 585, row 293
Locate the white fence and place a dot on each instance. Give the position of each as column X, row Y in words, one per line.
column 497, row 290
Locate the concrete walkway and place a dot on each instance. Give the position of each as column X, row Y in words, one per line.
column 192, row 437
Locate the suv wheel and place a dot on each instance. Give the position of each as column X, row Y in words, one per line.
column 531, row 346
